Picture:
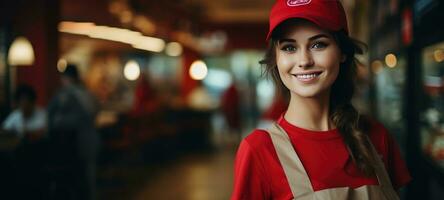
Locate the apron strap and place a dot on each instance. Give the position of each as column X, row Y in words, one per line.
column 297, row 177
column 381, row 173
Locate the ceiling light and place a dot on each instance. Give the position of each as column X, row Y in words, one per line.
column 21, row 52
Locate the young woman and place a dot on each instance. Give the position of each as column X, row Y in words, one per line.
column 320, row 148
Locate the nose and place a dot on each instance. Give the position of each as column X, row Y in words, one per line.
column 304, row 59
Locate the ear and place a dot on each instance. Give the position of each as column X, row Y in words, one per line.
column 343, row 58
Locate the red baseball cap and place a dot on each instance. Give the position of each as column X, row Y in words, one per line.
column 328, row 14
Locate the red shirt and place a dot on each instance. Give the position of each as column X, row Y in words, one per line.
column 259, row 175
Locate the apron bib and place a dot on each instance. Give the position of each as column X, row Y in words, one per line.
column 300, row 184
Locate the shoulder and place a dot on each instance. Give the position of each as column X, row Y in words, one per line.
column 258, row 139
column 379, row 136
column 13, row 119
column 255, row 151
column 255, row 145
column 373, row 128
column 377, row 129
column 14, row 115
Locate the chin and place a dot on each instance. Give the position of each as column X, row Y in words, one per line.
column 308, row 92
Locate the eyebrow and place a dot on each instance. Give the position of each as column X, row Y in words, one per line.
column 310, row 39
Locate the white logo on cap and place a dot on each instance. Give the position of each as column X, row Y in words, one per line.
column 297, row 2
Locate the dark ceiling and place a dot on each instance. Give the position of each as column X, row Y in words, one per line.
column 244, row 21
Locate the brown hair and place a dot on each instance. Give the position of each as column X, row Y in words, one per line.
column 352, row 126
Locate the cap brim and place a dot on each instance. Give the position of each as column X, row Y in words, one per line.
column 312, row 19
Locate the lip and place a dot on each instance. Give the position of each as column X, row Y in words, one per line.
column 308, row 80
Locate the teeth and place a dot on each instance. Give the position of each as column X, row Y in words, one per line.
column 306, row 76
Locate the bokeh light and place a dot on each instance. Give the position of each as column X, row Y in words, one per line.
column 61, row 65
column 390, row 60
column 198, row 70
column 131, row 70
column 173, row 49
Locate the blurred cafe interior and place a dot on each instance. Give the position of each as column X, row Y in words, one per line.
column 169, row 88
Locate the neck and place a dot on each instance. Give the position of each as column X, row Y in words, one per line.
column 310, row 113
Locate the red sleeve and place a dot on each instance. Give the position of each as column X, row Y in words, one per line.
column 397, row 168
column 249, row 175
column 394, row 163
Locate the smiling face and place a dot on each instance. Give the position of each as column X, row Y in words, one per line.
column 307, row 58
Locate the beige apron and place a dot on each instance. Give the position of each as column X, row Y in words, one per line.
column 300, row 184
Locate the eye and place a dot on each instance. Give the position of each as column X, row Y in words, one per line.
column 319, row 45
column 288, row 48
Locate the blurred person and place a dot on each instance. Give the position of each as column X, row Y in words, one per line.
column 145, row 98
column 230, row 106
column 71, row 116
column 27, row 120
column 320, row 147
